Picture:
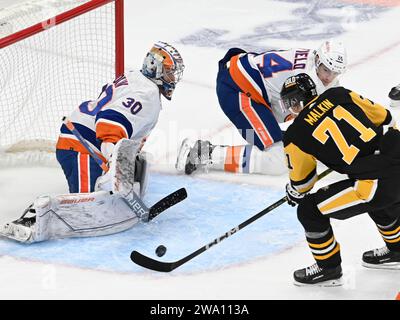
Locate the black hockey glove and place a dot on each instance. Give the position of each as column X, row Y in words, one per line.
column 293, row 197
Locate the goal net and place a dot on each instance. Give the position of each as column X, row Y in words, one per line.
column 54, row 54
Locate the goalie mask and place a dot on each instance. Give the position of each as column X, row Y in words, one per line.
column 296, row 92
column 164, row 66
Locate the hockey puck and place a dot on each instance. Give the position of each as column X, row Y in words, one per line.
column 160, row 251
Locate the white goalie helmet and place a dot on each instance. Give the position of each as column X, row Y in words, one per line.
column 164, row 66
column 333, row 55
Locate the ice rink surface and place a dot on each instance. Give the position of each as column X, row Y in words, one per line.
column 258, row 262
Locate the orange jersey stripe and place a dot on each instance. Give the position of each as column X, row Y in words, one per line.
column 255, row 121
column 244, row 84
column 232, row 159
column 84, row 173
column 109, row 132
column 74, row 145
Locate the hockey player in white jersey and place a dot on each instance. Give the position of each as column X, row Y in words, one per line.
column 248, row 90
column 115, row 126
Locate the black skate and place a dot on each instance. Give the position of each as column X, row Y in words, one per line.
column 394, row 96
column 381, row 258
column 314, row 275
column 193, row 156
column 199, row 156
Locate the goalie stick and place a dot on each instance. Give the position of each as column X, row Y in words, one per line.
column 161, row 266
column 148, row 214
column 71, row 127
column 136, row 204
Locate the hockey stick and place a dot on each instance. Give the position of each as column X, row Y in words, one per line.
column 136, row 204
column 71, row 127
column 161, row 266
column 147, row 214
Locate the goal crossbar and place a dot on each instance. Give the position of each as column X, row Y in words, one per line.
column 70, row 14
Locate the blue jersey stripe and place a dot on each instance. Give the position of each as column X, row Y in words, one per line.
column 85, row 132
column 255, row 75
column 246, row 158
column 116, row 116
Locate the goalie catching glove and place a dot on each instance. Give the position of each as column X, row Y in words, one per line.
column 293, row 196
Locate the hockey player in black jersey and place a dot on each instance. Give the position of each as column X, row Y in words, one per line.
column 354, row 136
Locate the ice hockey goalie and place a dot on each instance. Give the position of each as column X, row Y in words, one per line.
column 102, row 212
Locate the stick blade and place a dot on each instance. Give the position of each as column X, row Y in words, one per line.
column 167, row 202
column 150, row 263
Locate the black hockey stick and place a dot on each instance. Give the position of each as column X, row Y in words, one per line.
column 161, row 266
column 167, row 202
column 147, row 214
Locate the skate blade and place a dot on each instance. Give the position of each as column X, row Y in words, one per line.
column 385, row 266
column 183, row 154
column 327, row 283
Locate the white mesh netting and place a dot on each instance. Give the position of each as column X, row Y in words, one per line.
column 45, row 76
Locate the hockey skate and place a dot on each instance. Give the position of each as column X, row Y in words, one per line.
column 22, row 228
column 194, row 156
column 317, row 276
column 381, row 258
column 394, row 96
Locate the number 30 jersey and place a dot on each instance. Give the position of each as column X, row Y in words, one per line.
column 126, row 108
column 261, row 76
column 336, row 128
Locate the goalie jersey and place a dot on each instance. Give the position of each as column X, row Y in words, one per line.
column 126, row 108
column 262, row 75
column 340, row 128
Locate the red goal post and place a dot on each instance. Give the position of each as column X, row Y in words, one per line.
column 47, row 68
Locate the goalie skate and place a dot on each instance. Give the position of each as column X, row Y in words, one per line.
column 15, row 231
column 20, row 229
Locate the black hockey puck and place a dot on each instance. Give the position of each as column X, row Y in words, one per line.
column 160, row 251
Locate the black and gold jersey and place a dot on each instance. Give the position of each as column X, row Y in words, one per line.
column 336, row 128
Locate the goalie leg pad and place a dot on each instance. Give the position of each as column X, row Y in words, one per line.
column 73, row 215
column 121, row 176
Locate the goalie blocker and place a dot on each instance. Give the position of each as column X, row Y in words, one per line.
column 114, row 207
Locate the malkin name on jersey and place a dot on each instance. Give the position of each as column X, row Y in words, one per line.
column 317, row 111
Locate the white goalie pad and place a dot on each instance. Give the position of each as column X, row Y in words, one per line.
column 121, row 176
column 75, row 215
